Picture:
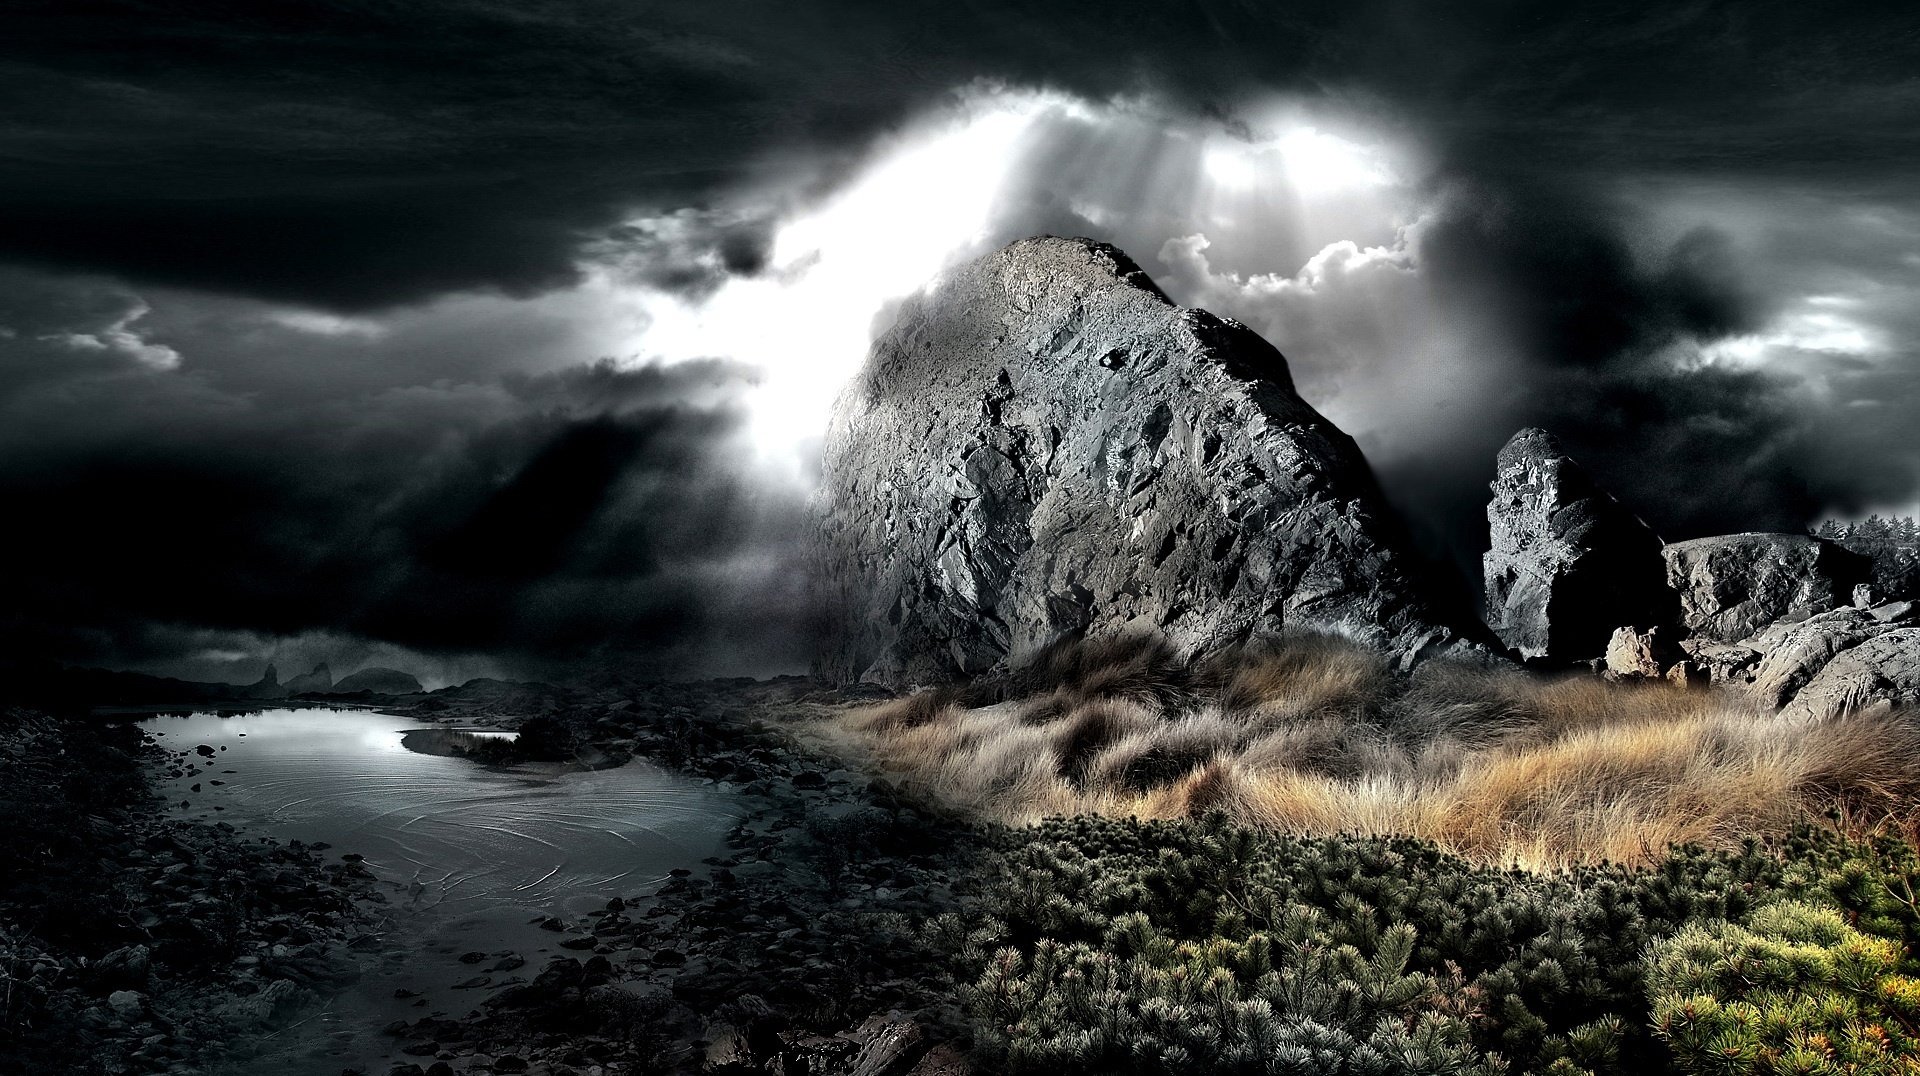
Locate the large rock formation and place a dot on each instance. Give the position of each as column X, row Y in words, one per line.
column 1045, row 444
column 267, row 687
column 1734, row 585
column 1568, row 564
column 1795, row 652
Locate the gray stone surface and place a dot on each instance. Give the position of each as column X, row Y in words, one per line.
column 1044, row 444
column 1796, row 652
column 1568, row 564
column 1883, row 671
column 1645, row 654
column 1734, row 585
column 1893, row 612
column 1724, row 662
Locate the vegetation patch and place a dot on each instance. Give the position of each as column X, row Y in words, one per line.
column 1109, row 946
column 1314, row 734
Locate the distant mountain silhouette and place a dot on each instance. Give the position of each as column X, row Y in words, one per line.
column 379, row 681
column 317, row 682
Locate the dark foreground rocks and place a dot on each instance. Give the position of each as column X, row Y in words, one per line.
column 131, row 942
column 1045, row 445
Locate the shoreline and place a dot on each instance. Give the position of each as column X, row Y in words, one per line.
column 155, row 944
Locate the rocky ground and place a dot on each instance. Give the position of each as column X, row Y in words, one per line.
column 137, row 943
column 796, row 952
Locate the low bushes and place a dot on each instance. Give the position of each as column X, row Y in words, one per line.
column 1108, row 946
column 1796, row 990
column 1820, row 981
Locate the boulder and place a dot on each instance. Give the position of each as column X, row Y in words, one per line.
column 1893, row 612
column 127, row 967
column 889, row 1046
column 1723, row 662
column 1641, row 654
column 1568, row 563
column 1734, row 585
column 1043, row 445
column 1688, row 673
column 1882, row 671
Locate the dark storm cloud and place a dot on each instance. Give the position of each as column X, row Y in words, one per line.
column 1739, row 364
column 358, row 156
column 451, row 476
column 1615, row 341
column 544, row 518
column 689, row 253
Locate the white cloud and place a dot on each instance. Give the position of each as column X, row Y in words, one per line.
column 320, row 323
column 992, row 167
column 119, row 337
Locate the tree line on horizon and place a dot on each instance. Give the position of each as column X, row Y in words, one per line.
column 1893, row 543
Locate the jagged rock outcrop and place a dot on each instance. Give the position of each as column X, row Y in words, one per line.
column 1044, row 444
column 267, row 687
column 1568, row 563
column 1883, row 671
column 1734, row 585
column 378, row 680
column 319, row 680
column 1722, row 662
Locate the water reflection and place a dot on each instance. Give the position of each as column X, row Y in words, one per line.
column 472, row 853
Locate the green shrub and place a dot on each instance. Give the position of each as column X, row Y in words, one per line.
column 1794, row 990
column 1105, row 946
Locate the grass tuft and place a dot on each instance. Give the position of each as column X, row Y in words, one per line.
column 1313, row 734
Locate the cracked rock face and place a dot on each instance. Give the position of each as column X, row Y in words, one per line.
column 1882, row 672
column 1796, row 652
column 1568, row 563
column 1734, row 585
column 1044, row 444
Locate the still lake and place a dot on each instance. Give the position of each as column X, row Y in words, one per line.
column 471, row 856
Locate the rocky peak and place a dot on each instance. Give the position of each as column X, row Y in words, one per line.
column 267, row 687
column 320, row 679
column 1567, row 564
column 1044, row 444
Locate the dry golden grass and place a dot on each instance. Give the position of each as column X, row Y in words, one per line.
column 1313, row 735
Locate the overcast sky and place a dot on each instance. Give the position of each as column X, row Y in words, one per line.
column 474, row 337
